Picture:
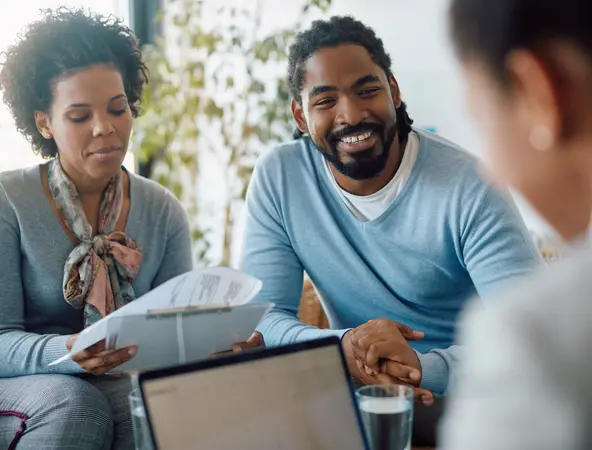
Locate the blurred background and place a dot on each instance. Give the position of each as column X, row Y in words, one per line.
column 218, row 98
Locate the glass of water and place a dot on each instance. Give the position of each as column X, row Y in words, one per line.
column 387, row 415
column 142, row 437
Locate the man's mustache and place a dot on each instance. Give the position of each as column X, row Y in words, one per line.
column 352, row 129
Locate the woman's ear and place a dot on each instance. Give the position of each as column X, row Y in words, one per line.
column 43, row 124
column 537, row 97
column 298, row 114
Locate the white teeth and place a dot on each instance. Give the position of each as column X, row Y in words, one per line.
column 357, row 138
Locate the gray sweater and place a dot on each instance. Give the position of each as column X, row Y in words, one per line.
column 35, row 320
column 525, row 377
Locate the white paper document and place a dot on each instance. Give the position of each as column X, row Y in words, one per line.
column 183, row 320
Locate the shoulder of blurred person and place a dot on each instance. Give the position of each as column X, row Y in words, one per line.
column 524, row 381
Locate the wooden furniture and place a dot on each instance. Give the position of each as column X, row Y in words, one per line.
column 311, row 311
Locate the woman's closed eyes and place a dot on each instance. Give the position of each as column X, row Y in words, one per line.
column 84, row 118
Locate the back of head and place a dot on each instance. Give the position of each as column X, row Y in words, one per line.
column 528, row 64
column 489, row 30
column 339, row 30
column 62, row 42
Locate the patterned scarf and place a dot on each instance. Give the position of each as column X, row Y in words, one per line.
column 99, row 272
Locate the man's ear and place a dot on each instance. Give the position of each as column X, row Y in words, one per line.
column 298, row 114
column 43, row 125
column 395, row 91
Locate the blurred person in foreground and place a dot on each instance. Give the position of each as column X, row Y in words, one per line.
column 526, row 378
column 393, row 224
column 80, row 236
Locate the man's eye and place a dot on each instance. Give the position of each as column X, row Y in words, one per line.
column 368, row 91
column 324, row 102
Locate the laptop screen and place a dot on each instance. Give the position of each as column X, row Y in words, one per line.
column 293, row 401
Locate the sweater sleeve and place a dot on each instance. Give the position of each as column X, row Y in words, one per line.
column 21, row 352
column 497, row 249
column 269, row 255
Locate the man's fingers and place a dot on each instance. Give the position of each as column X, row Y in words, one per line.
column 385, row 349
column 386, row 324
column 360, row 347
column 424, row 396
column 372, row 348
column 409, row 333
column 377, row 351
column 364, row 370
column 354, row 337
column 414, row 336
column 220, row 354
column 383, row 378
column 255, row 341
column 401, row 371
column 360, row 365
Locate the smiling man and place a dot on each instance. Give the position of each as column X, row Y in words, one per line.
column 394, row 225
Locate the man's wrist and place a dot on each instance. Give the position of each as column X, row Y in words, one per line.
column 346, row 344
column 434, row 372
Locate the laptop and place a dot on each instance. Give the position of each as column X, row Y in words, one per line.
column 296, row 397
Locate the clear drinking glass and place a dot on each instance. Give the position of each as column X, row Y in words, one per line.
column 387, row 415
column 142, row 437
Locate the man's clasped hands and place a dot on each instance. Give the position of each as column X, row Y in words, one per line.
column 378, row 352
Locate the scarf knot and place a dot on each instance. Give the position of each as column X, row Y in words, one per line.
column 100, row 244
column 99, row 271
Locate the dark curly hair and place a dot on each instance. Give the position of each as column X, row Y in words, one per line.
column 490, row 30
column 63, row 41
column 336, row 31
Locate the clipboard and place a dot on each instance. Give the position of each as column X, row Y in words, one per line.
column 170, row 324
column 183, row 335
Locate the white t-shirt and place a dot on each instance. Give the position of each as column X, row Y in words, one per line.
column 369, row 207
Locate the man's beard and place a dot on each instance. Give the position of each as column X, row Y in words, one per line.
column 367, row 163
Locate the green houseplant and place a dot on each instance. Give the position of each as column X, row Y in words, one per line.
column 217, row 91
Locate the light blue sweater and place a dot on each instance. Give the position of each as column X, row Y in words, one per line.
column 447, row 237
column 35, row 320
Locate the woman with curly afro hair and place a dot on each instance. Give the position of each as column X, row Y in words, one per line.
column 79, row 235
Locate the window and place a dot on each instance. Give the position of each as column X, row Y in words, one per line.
column 15, row 151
